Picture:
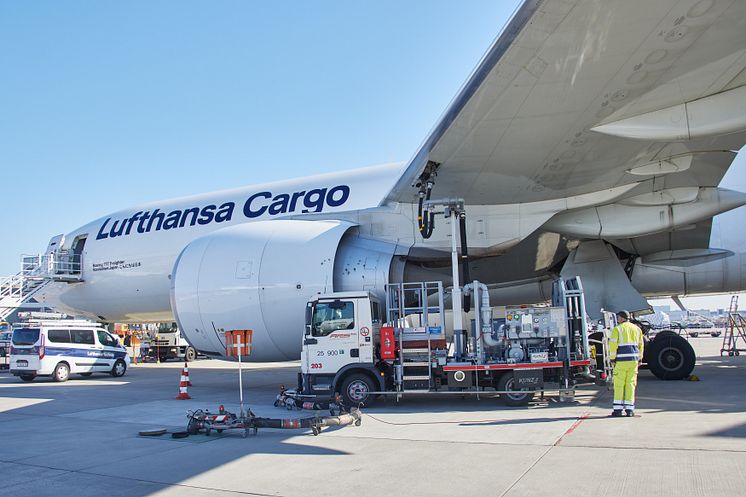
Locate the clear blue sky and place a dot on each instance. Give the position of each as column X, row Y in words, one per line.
column 108, row 104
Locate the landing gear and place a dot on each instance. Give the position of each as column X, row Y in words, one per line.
column 670, row 357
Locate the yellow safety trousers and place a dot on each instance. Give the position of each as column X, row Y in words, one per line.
column 625, row 382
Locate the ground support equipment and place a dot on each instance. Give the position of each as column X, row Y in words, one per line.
column 206, row 421
column 291, row 400
column 734, row 330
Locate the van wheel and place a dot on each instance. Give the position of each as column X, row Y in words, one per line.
column 86, row 374
column 119, row 369
column 520, row 398
column 27, row 377
column 61, row 372
column 190, row 354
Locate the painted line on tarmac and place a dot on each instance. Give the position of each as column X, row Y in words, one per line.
column 83, row 383
column 572, row 428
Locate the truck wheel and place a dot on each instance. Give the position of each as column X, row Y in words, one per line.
column 190, row 354
column 670, row 357
column 506, row 382
column 27, row 377
column 119, row 369
column 715, row 334
column 61, row 372
column 693, row 334
column 356, row 390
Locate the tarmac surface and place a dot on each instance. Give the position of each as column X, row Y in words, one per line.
column 81, row 438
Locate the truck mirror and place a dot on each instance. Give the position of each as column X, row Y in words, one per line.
column 309, row 314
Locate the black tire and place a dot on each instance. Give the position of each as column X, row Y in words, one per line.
column 694, row 334
column 670, row 357
column 666, row 333
column 61, row 372
column 190, row 354
column 514, row 400
column 715, row 334
column 86, row 375
column 356, row 390
column 119, row 368
column 27, row 377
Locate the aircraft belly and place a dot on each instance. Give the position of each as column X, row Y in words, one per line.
column 141, row 298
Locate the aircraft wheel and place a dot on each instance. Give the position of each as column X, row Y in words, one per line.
column 671, row 357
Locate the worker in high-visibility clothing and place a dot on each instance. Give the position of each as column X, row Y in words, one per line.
column 625, row 351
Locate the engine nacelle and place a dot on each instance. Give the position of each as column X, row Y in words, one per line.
column 260, row 275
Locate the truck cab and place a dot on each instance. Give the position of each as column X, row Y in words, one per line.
column 339, row 352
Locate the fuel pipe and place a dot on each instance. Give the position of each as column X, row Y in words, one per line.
column 315, row 423
column 425, row 218
column 465, row 273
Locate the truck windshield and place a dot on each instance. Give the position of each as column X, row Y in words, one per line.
column 25, row 336
column 332, row 316
column 167, row 328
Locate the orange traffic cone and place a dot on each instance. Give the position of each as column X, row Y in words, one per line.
column 183, row 384
column 185, row 372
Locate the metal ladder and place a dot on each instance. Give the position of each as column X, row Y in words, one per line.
column 735, row 329
column 16, row 291
column 411, row 299
column 569, row 294
column 37, row 271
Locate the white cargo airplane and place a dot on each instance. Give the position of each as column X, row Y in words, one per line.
column 590, row 140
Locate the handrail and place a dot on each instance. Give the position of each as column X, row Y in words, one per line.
column 59, row 263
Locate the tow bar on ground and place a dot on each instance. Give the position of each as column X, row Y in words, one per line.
column 206, row 421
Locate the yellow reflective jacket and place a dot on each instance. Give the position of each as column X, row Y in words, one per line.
column 625, row 343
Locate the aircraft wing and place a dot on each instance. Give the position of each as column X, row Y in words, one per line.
column 578, row 96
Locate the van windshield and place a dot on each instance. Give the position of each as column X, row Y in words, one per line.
column 25, row 336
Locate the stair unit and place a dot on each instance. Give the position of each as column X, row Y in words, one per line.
column 37, row 271
column 419, row 330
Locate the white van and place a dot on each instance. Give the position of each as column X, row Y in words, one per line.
column 59, row 348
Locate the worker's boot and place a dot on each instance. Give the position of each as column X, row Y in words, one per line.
column 630, row 413
column 616, row 413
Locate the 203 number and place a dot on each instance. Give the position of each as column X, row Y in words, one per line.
column 316, row 365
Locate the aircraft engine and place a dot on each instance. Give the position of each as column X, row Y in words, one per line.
column 260, row 275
